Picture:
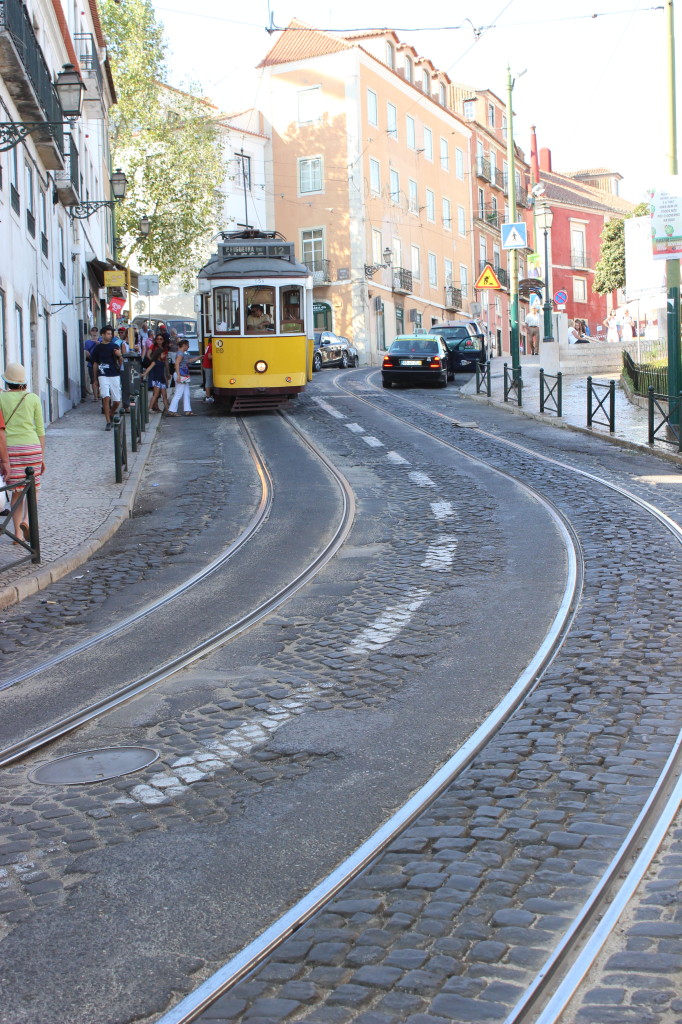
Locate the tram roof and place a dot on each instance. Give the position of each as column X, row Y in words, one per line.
column 253, row 267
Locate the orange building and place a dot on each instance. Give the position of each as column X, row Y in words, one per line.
column 371, row 179
column 486, row 114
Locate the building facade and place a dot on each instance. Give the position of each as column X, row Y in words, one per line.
column 52, row 264
column 370, row 176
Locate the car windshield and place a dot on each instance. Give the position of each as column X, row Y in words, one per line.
column 414, row 346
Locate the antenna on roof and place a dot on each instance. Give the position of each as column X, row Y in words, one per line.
column 271, row 27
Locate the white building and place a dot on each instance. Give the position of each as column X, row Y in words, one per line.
column 52, row 262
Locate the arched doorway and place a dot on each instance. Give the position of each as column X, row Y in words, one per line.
column 322, row 316
column 33, row 329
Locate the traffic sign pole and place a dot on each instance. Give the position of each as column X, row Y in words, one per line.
column 672, row 267
column 513, row 254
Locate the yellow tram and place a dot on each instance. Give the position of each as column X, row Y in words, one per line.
column 257, row 311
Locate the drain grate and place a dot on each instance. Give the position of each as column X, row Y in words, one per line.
column 93, row 765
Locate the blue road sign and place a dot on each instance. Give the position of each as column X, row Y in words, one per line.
column 514, row 236
column 560, row 297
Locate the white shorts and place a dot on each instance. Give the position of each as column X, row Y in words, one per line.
column 110, row 387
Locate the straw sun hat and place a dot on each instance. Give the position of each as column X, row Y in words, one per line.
column 14, row 374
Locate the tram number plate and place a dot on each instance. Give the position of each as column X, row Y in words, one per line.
column 410, row 362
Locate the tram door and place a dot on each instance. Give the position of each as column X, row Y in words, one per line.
column 322, row 316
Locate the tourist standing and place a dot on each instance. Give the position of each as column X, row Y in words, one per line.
column 25, row 435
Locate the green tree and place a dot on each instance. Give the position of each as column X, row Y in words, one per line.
column 168, row 144
column 609, row 273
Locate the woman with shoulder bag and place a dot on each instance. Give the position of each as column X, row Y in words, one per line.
column 182, row 381
column 25, row 431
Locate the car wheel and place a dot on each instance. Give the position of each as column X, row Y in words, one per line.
column 444, row 382
column 345, row 361
column 385, row 383
column 317, row 362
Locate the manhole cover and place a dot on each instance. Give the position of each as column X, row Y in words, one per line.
column 93, row 765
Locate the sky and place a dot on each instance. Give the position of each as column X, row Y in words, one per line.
column 595, row 87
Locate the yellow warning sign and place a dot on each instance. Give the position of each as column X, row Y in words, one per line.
column 488, row 278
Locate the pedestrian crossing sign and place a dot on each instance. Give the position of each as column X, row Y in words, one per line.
column 488, row 278
column 514, row 236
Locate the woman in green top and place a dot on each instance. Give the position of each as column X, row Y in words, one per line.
column 25, row 433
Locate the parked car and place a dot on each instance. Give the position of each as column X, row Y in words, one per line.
column 465, row 342
column 416, row 359
column 333, row 350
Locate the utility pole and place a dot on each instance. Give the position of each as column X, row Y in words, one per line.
column 513, row 254
column 672, row 267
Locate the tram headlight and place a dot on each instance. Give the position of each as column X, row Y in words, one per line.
column 288, row 380
column 261, row 366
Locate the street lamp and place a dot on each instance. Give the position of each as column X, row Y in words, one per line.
column 543, row 219
column 371, row 269
column 118, row 183
column 69, row 87
column 145, row 226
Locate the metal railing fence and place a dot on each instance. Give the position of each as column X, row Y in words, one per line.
column 645, row 376
column 551, row 395
column 513, row 384
column 668, row 423
column 597, row 397
column 17, row 495
column 483, row 379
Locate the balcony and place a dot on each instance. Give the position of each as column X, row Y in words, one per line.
column 402, row 281
column 497, row 178
column 483, row 168
column 320, row 270
column 453, row 297
column 67, row 182
column 522, row 195
column 91, row 72
column 490, row 216
column 29, row 81
column 579, row 259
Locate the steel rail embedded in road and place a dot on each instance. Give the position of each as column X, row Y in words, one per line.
column 16, row 751
column 252, row 527
column 252, row 955
column 578, row 949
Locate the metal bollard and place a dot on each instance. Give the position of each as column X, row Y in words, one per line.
column 120, row 447
column 32, row 505
column 650, row 410
column 589, row 401
column 478, row 378
column 542, row 390
column 559, row 389
column 612, row 406
column 133, row 425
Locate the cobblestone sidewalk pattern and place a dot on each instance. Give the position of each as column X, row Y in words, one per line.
column 80, row 505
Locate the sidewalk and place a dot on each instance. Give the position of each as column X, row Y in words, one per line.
column 631, row 420
column 80, row 506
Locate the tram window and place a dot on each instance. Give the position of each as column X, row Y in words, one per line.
column 291, row 309
column 226, row 311
column 260, row 309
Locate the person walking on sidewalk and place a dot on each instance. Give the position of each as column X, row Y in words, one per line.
column 108, row 360
column 25, row 434
column 156, row 372
column 91, row 343
column 207, row 367
column 182, row 381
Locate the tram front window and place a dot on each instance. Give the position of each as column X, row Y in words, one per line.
column 291, row 309
column 260, row 309
column 226, row 315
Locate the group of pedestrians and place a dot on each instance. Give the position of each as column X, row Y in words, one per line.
column 622, row 328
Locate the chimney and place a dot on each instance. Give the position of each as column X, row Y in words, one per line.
column 546, row 160
column 534, row 165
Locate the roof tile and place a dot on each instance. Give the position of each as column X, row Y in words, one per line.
column 300, row 42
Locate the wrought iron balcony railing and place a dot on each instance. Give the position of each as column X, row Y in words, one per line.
column 321, row 271
column 489, row 215
column 453, row 297
column 67, row 182
column 402, row 280
column 579, row 259
column 483, row 168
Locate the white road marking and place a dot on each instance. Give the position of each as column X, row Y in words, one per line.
column 328, row 408
column 421, row 479
column 388, row 625
column 373, row 442
column 440, row 554
column 442, row 509
column 356, row 428
column 398, row 459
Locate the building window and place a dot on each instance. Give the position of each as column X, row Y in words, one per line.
column 491, row 115
column 442, row 95
column 448, row 273
column 397, row 252
column 19, row 330
column 444, row 155
column 374, row 176
column 433, row 270
column 469, row 107
column 447, row 215
column 62, row 256
column 312, row 253
column 464, row 280
column 410, row 133
column 14, row 180
column 459, row 163
column 390, row 55
column 578, row 253
column 496, row 257
column 65, row 361
column 579, row 289
column 483, row 251
column 372, row 107
column 392, row 121
column 504, row 126
column 430, row 205
column 461, row 221
column 394, row 186
column 43, row 223
column 481, row 204
column 428, row 143
column 426, row 82
column 309, row 105
column 243, row 176
column 310, row 174
column 416, row 262
column 493, row 166
column 399, row 319
column 409, row 69
column 30, row 201
column 413, row 196
column 377, row 247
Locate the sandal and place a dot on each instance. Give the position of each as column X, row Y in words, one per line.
column 25, row 530
column 189, row 414
column 170, row 414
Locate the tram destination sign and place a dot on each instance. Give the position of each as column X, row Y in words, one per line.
column 257, row 250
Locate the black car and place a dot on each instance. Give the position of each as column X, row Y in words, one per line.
column 465, row 343
column 416, row 359
column 333, row 350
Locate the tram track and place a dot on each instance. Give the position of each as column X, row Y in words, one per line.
column 12, row 753
column 558, row 979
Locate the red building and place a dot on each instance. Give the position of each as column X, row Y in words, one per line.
column 582, row 202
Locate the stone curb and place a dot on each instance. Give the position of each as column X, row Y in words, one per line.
column 553, row 421
column 121, row 510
